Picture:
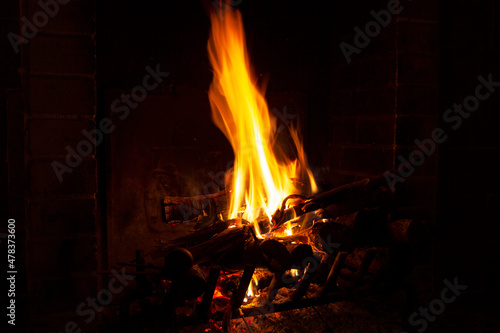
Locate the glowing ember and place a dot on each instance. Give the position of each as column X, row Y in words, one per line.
column 262, row 175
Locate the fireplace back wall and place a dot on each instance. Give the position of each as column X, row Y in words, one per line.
column 356, row 117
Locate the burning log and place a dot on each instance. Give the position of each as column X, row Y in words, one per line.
column 232, row 248
column 229, row 241
column 299, row 253
column 347, row 198
column 187, row 208
column 275, row 255
column 339, row 201
column 301, row 238
column 268, row 253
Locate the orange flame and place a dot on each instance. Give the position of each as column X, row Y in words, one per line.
column 252, row 288
column 262, row 174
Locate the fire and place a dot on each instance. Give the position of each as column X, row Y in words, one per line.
column 254, row 283
column 263, row 173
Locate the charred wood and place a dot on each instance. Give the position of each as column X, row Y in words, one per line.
column 187, row 208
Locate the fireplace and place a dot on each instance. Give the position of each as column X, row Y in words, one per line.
column 396, row 118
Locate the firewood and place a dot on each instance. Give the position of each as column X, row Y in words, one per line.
column 299, row 253
column 187, row 208
column 407, row 231
column 275, row 286
column 238, row 246
column 262, row 253
column 325, row 235
column 202, row 235
column 232, row 239
column 240, row 293
column 367, row 227
column 331, row 280
column 346, row 199
column 275, row 255
column 369, row 263
column 365, row 264
column 300, row 238
column 238, row 297
column 203, row 308
column 309, row 275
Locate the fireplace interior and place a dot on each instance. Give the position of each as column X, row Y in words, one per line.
column 395, row 105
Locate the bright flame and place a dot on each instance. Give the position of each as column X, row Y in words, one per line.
column 250, row 292
column 288, row 230
column 263, row 173
column 254, row 283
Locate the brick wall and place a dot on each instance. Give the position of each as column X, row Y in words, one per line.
column 363, row 98
column 393, row 92
column 385, row 98
column 12, row 144
column 417, row 102
column 56, row 103
column 468, row 162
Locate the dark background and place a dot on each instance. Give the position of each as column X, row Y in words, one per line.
column 357, row 118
